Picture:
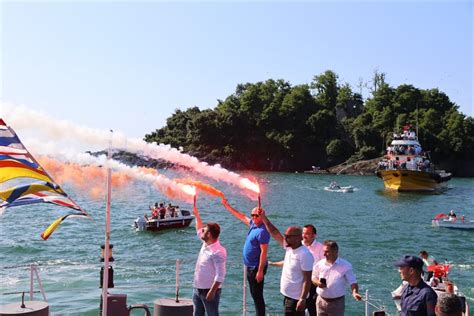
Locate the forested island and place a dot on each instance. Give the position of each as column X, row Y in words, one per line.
column 274, row 126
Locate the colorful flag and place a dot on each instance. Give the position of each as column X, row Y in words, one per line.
column 12, row 194
column 16, row 162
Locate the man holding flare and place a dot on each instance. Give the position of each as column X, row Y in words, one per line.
column 254, row 254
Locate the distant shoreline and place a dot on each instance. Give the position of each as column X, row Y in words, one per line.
column 358, row 168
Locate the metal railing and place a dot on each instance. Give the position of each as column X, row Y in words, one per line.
column 34, row 273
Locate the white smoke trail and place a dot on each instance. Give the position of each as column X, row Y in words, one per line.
column 167, row 186
column 19, row 117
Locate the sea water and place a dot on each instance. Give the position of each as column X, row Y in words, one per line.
column 372, row 226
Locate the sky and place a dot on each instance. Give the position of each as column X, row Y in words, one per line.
column 129, row 65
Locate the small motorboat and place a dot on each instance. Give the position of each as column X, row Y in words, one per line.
column 181, row 219
column 334, row 187
column 439, row 283
column 450, row 221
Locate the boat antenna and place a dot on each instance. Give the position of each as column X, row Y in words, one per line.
column 105, row 282
column 417, row 119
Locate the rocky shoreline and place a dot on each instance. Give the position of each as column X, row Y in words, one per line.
column 359, row 168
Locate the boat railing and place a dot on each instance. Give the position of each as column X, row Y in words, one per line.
column 234, row 286
column 369, row 304
column 33, row 273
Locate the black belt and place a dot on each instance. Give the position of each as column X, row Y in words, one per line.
column 332, row 299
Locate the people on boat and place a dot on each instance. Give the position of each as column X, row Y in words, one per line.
column 334, row 185
column 417, row 295
column 154, row 211
column 254, row 254
column 170, row 210
column 210, row 270
column 297, row 266
column 162, row 211
column 316, row 249
column 331, row 275
column 452, row 216
column 449, row 305
column 428, row 261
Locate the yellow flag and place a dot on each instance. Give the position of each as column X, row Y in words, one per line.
column 45, row 235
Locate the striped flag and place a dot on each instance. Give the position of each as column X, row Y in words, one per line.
column 16, row 162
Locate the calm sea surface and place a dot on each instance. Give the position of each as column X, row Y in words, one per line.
column 372, row 226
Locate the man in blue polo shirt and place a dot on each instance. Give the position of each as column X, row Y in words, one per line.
column 254, row 253
column 418, row 298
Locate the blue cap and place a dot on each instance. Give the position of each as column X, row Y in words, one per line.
column 410, row 261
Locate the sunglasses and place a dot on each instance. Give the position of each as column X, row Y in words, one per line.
column 254, row 215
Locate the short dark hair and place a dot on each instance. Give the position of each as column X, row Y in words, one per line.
column 312, row 228
column 423, row 253
column 331, row 244
column 214, row 229
column 449, row 305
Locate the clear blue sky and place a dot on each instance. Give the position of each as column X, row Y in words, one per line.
column 128, row 66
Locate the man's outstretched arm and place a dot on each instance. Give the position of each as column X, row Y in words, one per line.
column 271, row 228
column 198, row 218
column 241, row 217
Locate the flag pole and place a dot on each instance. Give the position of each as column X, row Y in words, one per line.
column 105, row 283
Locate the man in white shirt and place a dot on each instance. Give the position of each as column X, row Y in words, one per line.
column 298, row 263
column 316, row 249
column 331, row 275
column 210, row 269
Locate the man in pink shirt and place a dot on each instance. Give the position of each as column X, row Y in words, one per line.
column 210, row 269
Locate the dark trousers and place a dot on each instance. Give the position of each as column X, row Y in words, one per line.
column 290, row 307
column 256, row 290
column 311, row 301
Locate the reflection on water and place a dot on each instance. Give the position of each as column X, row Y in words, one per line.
column 405, row 196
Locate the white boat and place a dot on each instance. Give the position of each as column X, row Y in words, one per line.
column 453, row 223
column 182, row 219
column 334, row 187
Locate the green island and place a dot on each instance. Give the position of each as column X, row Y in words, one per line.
column 276, row 126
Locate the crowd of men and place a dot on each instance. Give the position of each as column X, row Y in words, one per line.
column 313, row 276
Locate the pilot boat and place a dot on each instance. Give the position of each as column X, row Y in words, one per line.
column 406, row 167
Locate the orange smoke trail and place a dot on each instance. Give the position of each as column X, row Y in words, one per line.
column 202, row 186
column 174, row 193
column 146, row 170
column 90, row 179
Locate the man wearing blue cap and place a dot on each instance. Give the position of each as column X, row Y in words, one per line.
column 418, row 298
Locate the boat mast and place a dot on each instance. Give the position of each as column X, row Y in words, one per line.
column 105, row 283
column 417, row 120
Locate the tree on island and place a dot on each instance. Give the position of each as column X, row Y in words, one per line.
column 273, row 125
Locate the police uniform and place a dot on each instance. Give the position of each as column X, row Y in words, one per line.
column 416, row 299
